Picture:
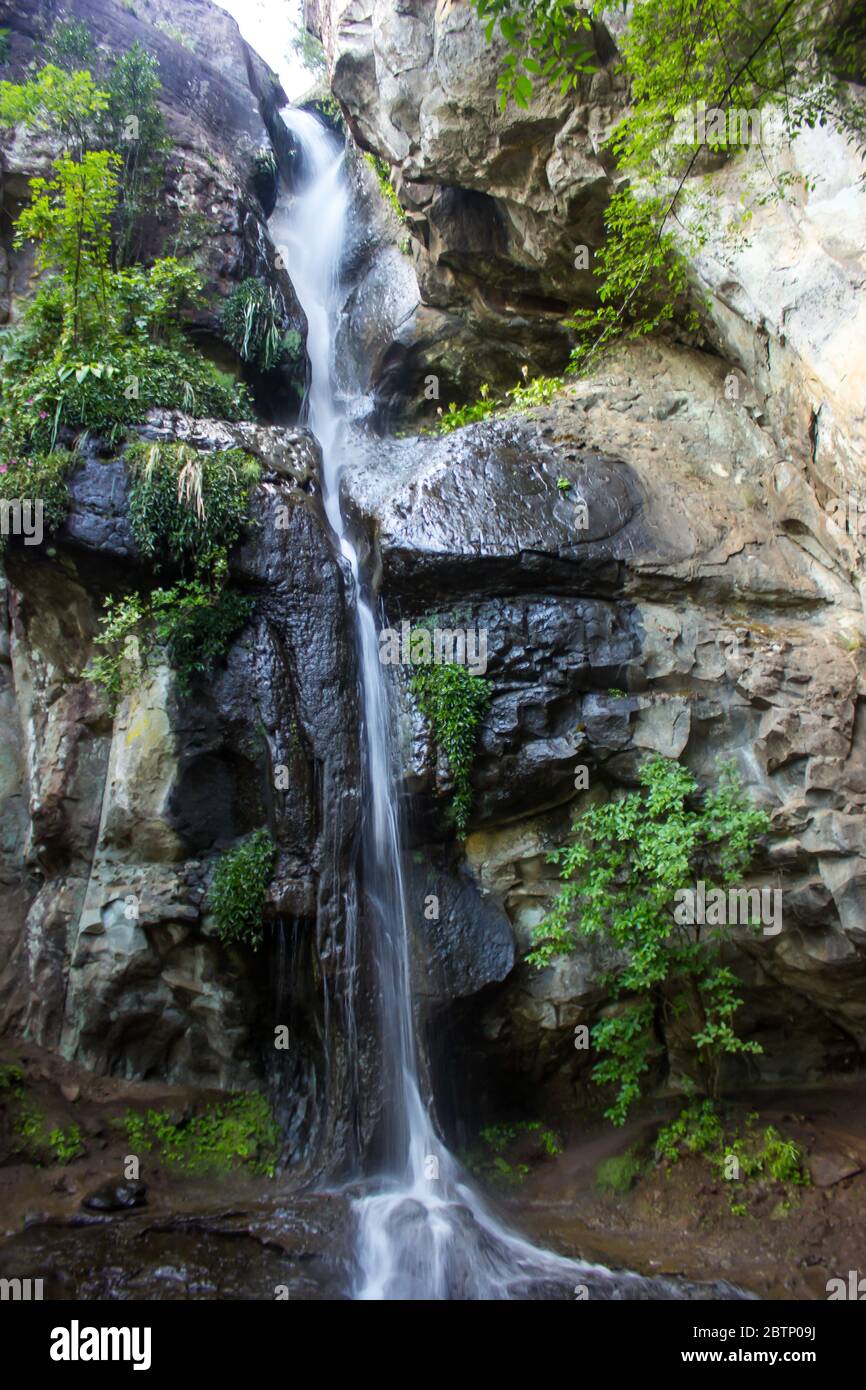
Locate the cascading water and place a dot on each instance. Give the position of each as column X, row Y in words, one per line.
column 423, row 1231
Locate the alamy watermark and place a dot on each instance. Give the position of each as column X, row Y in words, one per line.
column 20, row 516
column 744, row 907
column 702, row 125
column 425, row 646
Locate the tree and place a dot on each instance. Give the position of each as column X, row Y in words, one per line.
column 620, row 877
column 69, row 218
column 136, row 126
column 65, row 103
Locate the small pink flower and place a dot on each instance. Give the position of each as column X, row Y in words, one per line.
column 4, row 468
column 12, row 463
column 43, row 415
column 31, row 400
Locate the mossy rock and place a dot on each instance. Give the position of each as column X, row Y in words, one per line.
column 618, row 1174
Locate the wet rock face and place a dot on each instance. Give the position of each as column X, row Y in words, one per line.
column 684, row 620
column 496, row 202
column 113, row 822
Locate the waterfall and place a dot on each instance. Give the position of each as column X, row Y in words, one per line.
column 423, row 1232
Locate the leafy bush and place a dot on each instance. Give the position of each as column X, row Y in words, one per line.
column 539, row 391
column 240, row 888
column 620, row 875
column 194, row 623
column 752, row 1155
column 490, row 1160
column 67, row 1144
column 197, row 623
column 69, row 45
column 253, row 323
column 184, row 504
column 39, row 478
column 239, row 1132
column 136, row 126
column 453, row 703
column 643, row 279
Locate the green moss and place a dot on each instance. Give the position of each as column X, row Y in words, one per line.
column 239, row 1132
column 383, row 177
column 240, row 887
column 453, row 702
column 618, row 1174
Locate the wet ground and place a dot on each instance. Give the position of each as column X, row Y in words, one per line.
column 246, row 1237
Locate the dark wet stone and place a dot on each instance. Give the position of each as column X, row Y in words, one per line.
column 116, row 1196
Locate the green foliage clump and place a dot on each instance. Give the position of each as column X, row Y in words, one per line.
column 69, row 45
column 193, row 623
column 67, row 1144
column 490, row 1161
column 453, row 702
column 41, row 478
column 309, row 49
column 117, row 371
column 551, row 41
column 98, row 347
column 620, row 876
column 4, row 45
column 30, row 1135
column 253, row 323
column 240, row 888
column 643, row 279
column 239, row 1132
column 539, row 391
column 183, row 504
column 66, row 104
column 382, row 171
column 734, row 1156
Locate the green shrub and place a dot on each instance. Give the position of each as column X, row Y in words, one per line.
column 453, row 702
column 253, row 323
column 490, row 1161
column 539, row 391
column 621, row 874
column 41, row 477
column 239, row 1132
column 750, row 1155
column 240, row 888
column 184, row 504
column 194, row 623
column 67, row 1144
column 4, row 45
